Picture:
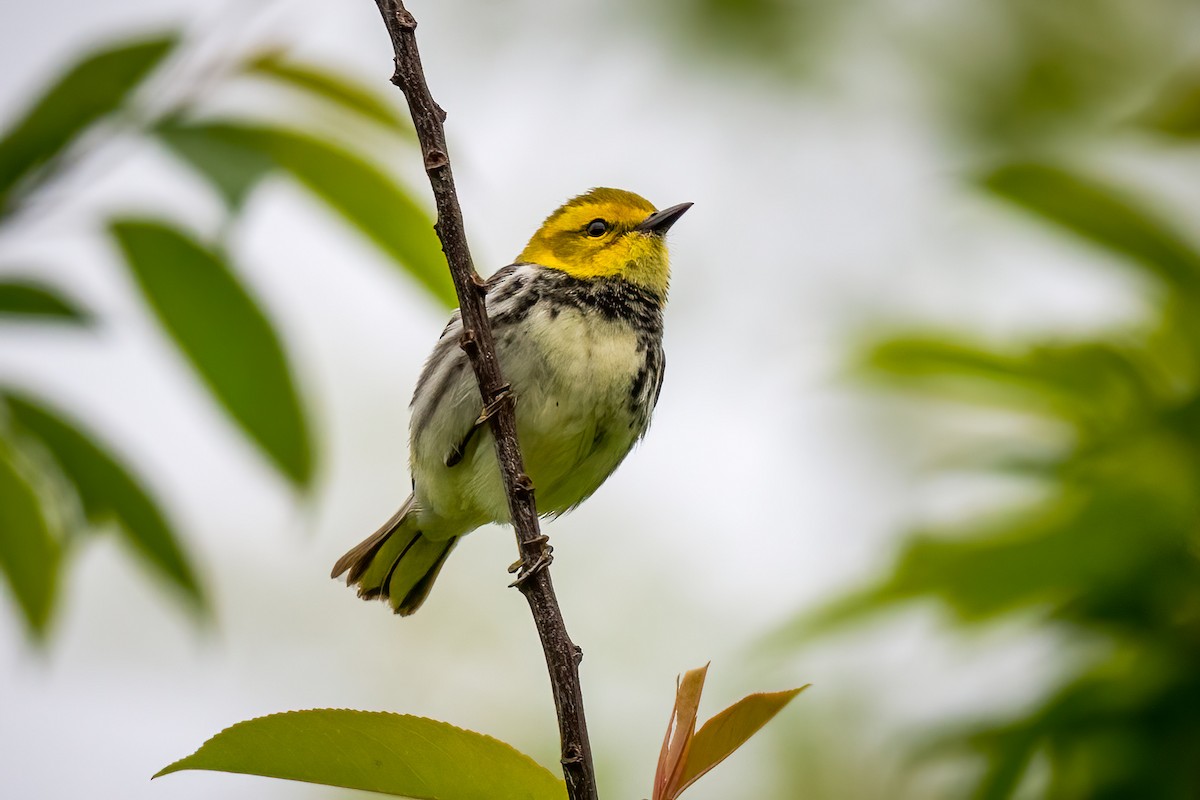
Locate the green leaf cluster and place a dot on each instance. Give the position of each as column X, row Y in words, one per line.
column 1111, row 551
column 58, row 475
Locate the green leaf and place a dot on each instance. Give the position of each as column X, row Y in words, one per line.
column 225, row 335
column 375, row 751
column 359, row 191
column 729, row 730
column 30, row 544
column 1102, row 215
column 108, row 491
column 94, row 87
column 232, row 169
column 338, row 89
column 28, row 299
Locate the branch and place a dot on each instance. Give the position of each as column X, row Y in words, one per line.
column 562, row 656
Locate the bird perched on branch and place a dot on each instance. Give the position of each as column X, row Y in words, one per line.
column 578, row 323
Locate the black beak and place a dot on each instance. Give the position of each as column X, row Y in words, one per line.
column 660, row 222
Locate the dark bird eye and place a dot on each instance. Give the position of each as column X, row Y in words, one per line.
column 597, row 228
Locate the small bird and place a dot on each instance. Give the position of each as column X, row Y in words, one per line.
column 578, row 323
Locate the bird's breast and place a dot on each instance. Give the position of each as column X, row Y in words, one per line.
column 585, row 364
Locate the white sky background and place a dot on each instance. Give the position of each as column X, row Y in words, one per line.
column 767, row 481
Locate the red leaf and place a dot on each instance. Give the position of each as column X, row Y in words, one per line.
column 728, row 731
column 680, row 730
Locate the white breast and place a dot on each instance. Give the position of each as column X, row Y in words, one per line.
column 585, row 350
column 573, row 402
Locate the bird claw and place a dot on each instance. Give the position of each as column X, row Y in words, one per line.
column 525, row 568
column 491, row 408
column 457, row 452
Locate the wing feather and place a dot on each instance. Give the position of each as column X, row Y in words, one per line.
column 446, row 403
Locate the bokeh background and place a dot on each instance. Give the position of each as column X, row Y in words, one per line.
column 929, row 438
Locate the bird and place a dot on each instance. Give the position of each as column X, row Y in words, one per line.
column 578, row 323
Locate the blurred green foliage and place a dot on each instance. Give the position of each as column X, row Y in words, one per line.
column 360, row 191
column 105, row 489
column 1024, row 73
column 27, row 299
column 1002, row 74
column 58, row 477
column 1107, row 555
column 240, row 359
column 30, row 563
column 787, row 39
column 97, row 86
column 1110, row 552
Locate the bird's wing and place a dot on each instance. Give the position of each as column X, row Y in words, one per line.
column 446, row 406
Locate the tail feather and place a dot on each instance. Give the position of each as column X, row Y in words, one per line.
column 397, row 563
column 413, row 572
column 359, row 557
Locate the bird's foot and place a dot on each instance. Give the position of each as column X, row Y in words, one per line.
column 457, row 452
column 491, row 408
column 531, row 564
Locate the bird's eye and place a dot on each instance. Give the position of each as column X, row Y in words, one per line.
column 597, row 228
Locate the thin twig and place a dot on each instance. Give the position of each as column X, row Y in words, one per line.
column 562, row 656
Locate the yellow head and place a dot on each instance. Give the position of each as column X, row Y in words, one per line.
column 607, row 232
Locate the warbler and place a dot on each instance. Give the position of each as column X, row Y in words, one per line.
column 578, row 324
